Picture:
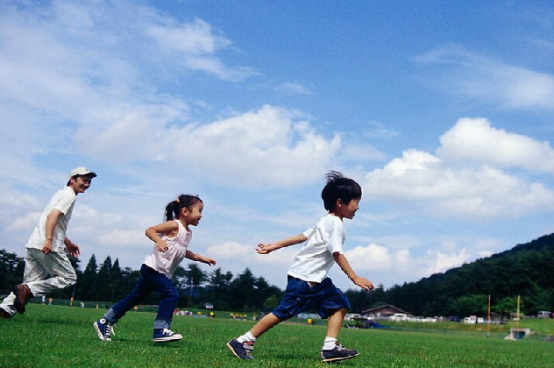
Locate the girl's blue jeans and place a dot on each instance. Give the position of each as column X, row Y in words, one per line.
column 150, row 281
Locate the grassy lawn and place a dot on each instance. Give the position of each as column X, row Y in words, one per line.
column 56, row 336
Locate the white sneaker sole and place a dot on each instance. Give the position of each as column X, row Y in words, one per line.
column 175, row 337
column 336, row 359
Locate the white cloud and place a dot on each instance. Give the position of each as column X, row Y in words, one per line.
column 88, row 72
column 379, row 130
column 293, row 88
column 462, row 180
column 123, row 240
column 264, row 147
column 387, row 264
column 194, row 44
column 376, row 262
column 231, row 251
column 353, row 152
column 373, row 257
column 438, row 262
column 478, row 77
column 476, row 141
column 95, row 87
column 195, row 37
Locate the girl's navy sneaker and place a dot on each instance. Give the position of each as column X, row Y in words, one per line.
column 103, row 329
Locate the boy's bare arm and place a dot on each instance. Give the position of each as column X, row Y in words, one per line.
column 345, row 267
column 287, row 242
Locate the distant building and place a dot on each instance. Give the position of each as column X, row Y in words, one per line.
column 384, row 311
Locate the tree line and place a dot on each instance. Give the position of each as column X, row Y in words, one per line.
column 107, row 283
column 525, row 271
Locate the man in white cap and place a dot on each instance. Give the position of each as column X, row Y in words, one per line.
column 47, row 246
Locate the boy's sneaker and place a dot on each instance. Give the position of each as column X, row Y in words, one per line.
column 339, row 352
column 242, row 350
column 104, row 329
column 166, row 335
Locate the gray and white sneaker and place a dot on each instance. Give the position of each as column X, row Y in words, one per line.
column 242, row 350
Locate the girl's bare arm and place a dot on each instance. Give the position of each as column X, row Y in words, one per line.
column 165, row 228
column 200, row 258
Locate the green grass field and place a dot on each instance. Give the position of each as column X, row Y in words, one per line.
column 58, row 336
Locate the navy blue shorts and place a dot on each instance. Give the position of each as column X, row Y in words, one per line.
column 301, row 296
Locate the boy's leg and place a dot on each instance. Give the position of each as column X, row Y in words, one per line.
column 333, row 351
column 265, row 324
column 334, row 323
column 243, row 346
column 334, row 306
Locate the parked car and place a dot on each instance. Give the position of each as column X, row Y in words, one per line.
column 398, row 317
column 470, row 320
column 544, row 314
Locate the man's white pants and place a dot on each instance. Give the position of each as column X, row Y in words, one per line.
column 37, row 268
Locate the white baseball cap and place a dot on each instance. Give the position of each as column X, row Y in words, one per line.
column 82, row 171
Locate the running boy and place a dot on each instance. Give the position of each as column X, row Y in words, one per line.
column 308, row 285
column 171, row 239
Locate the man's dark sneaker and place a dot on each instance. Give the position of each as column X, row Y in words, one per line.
column 4, row 314
column 242, row 350
column 166, row 335
column 339, row 352
column 22, row 296
column 104, row 329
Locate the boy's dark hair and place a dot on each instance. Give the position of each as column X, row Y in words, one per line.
column 339, row 187
column 174, row 207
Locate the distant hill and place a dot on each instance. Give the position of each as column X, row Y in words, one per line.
column 526, row 270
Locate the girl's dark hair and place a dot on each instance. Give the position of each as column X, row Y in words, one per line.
column 174, row 207
column 339, row 187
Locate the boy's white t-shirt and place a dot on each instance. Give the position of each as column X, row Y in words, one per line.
column 315, row 259
column 63, row 201
column 168, row 261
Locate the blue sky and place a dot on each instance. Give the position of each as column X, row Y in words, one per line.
column 441, row 110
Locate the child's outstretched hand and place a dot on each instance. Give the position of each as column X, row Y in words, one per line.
column 208, row 260
column 264, row 248
column 363, row 283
